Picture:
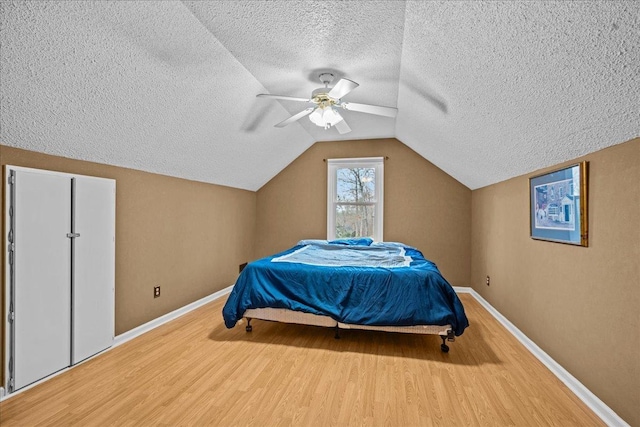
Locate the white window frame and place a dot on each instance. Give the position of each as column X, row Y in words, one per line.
column 376, row 163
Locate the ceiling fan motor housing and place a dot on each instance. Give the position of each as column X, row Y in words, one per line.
column 321, row 98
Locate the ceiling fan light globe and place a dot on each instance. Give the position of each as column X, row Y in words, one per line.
column 325, row 117
column 316, row 117
column 331, row 116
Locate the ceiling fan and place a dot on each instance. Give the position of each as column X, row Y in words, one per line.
column 326, row 100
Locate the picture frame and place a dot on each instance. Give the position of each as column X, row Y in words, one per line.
column 558, row 205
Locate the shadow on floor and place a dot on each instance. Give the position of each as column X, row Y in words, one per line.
column 469, row 349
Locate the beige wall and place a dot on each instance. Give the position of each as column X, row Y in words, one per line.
column 423, row 206
column 580, row 305
column 186, row 236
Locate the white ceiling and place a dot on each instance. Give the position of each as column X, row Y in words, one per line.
column 485, row 90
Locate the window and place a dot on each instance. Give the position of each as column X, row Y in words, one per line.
column 354, row 198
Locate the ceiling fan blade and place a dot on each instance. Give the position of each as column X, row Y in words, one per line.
column 371, row 109
column 342, row 127
column 343, row 87
column 287, row 98
column 298, row 116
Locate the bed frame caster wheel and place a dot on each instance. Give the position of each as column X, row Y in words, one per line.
column 444, row 347
column 248, row 328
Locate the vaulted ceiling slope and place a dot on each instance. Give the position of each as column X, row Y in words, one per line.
column 485, row 90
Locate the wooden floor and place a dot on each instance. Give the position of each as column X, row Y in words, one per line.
column 193, row 371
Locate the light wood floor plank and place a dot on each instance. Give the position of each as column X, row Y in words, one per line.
column 194, row 371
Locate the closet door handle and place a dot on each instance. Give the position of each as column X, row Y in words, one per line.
column 73, row 235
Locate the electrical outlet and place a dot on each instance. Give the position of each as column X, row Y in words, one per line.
column 488, row 280
column 156, row 291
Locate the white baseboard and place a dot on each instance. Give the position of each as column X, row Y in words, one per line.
column 591, row 400
column 7, row 395
column 129, row 335
column 136, row 332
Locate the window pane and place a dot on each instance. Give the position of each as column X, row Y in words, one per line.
column 356, row 185
column 354, row 221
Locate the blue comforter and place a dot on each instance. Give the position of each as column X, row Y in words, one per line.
column 379, row 284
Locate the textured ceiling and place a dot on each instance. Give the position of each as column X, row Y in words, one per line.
column 485, row 90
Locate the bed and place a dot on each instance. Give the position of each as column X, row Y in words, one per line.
column 348, row 284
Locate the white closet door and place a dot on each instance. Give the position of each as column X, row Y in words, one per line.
column 42, row 276
column 94, row 266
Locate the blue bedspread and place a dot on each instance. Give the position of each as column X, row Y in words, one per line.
column 375, row 292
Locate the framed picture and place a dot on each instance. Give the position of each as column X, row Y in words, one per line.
column 558, row 205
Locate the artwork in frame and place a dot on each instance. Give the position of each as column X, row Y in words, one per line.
column 558, row 205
